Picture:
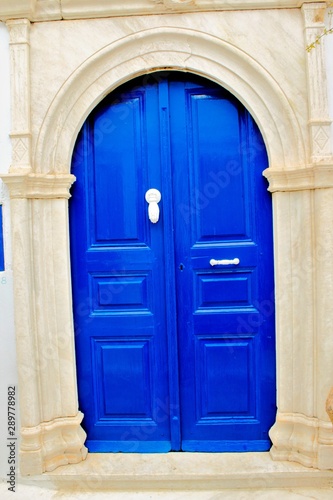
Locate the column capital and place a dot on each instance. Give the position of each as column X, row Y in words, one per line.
column 38, row 186
column 19, row 31
column 300, row 179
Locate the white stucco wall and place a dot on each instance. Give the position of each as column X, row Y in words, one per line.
column 8, row 374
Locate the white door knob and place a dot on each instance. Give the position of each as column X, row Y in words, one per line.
column 153, row 197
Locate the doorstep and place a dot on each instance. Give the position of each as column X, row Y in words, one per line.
column 180, row 472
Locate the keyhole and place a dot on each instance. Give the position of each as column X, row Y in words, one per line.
column 181, row 266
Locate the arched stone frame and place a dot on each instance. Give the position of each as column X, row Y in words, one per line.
column 51, row 433
column 183, row 50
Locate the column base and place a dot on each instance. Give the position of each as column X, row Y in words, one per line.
column 306, row 440
column 51, row 444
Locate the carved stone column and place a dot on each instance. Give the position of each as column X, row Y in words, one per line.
column 319, row 121
column 302, row 431
column 323, row 209
column 319, row 127
column 50, row 422
column 19, row 31
column 303, row 200
column 293, row 432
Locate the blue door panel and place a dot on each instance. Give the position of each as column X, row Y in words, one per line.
column 122, row 367
column 221, row 291
column 119, row 292
column 173, row 353
column 237, row 323
column 222, row 344
column 215, row 166
column 122, row 376
column 118, row 214
column 225, row 363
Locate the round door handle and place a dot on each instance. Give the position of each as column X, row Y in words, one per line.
column 153, row 197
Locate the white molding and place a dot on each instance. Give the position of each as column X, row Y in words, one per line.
column 38, row 186
column 17, row 9
column 300, row 179
column 43, row 10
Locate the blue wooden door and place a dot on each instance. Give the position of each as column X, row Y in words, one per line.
column 174, row 320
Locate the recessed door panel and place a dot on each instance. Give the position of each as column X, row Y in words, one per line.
column 116, row 196
column 226, row 363
column 116, row 273
column 122, row 375
column 216, row 163
column 116, row 293
column 218, row 290
column 220, row 243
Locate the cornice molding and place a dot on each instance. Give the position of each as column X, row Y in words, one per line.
column 38, row 186
column 42, row 10
column 315, row 177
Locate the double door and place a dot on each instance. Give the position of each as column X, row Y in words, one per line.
column 173, row 298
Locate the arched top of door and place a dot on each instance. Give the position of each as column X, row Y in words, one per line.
column 169, row 49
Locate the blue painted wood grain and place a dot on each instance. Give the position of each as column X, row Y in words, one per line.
column 173, row 354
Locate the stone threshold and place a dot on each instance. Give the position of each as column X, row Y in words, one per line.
column 180, row 472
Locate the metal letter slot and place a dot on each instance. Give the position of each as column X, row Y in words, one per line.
column 153, row 196
column 224, row 262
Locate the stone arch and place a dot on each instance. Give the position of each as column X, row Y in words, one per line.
column 174, row 49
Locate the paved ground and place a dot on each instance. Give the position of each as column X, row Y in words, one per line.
column 176, row 476
column 36, row 493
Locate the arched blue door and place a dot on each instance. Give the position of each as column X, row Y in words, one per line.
column 174, row 319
